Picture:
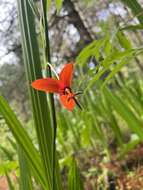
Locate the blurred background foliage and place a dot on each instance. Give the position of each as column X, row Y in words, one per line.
column 104, row 38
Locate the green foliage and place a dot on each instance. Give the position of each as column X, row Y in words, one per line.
column 10, row 184
column 23, row 140
column 58, row 4
column 25, row 173
column 110, row 58
column 125, row 112
column 7, row 167
column 43, row 114
column 123, row 40
column 128, row 147
column 106, row 117
column 7, row 153
column 74, row 179
column 133, row 27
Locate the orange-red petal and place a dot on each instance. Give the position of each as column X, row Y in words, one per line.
column 66, row 74
column 47, row 85
column 68, row 102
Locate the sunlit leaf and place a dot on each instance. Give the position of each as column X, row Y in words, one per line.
column 58, row 4
column 133, row 27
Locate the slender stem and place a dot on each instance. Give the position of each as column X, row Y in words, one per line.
column 52, row 69
column 53, row 113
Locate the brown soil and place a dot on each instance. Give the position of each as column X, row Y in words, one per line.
column 117, row 174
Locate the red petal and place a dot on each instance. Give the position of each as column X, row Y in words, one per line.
column 66, row 74
column 47, row 85
column 68, row 103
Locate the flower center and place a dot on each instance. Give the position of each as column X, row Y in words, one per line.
column 67, row 91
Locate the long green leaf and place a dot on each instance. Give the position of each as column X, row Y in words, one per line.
column 74, row 179
column 23, row 140
column 115, row 70
column 10, row 184
column 125, row 112
column 25, row 173
column 133, row 27
column 123, row 40
column 41, row 111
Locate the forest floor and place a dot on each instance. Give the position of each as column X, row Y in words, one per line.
column 99, row 174
column 125, row 174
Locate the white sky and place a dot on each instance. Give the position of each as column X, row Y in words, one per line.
column 6, row 7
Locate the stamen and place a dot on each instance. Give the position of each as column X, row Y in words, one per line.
column 77, row 103
column 78, row 93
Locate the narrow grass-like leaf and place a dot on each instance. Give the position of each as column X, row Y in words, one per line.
column 58, row 4
column 7, row 153
column 34, row 9
column 74, row 179
column 90, row 50
column 8, row 166
column 115, row 70
column 113, row 123
column 125, row 43
column 56, row 182
column 23, row 140
column 49, row 4
column 9, row 181
column 125, row 112
column 116, row 56
column 41, row 112
column 12, row 142
column 133, row 27
column 25, row 173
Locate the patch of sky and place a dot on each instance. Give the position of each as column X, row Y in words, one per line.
column 117, row 9
column 71, row 34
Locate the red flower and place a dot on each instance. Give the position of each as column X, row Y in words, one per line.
column 61, row 86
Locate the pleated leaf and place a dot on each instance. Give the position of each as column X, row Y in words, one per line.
column 74, row 178
column 41, row 112
column 25, row 172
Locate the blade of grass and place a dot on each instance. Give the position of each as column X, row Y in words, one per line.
column 123, row 40
column 125, row 112
column 55, row 172
column 9, row 181
column 25, row 173
column 7, row 166
column 6, row 151
column 133, row 27
column 74, row 179
column 116, row 69
column 23, row 140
